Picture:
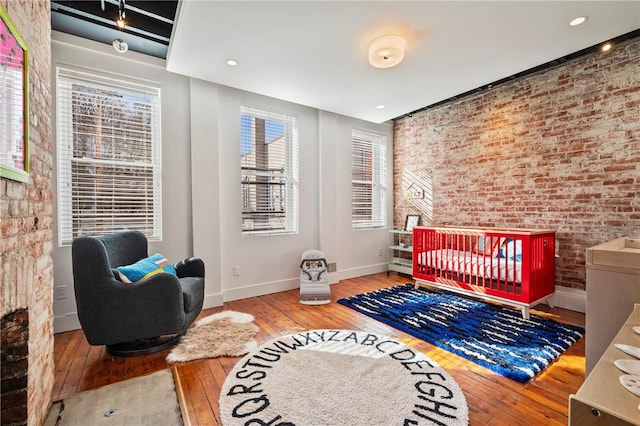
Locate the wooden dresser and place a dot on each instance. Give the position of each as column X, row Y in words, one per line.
column 613, row 286
column 601, row 400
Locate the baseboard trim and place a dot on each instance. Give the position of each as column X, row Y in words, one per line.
column 212, row 300
column 565, row 297
column 346, row 274
column 67, row 322
column 570, row 298
column 70, row 321
column 260, row 289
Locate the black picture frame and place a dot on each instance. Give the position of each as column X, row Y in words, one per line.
column 411, row 221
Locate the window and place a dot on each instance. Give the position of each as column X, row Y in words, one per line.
column 108, row 144
column 368, row 180
column 269, row 172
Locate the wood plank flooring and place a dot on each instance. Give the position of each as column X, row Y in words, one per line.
column 492, row 399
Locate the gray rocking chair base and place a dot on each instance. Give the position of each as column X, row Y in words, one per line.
column 143, row 347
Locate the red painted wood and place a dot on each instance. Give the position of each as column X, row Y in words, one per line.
column 537, row 263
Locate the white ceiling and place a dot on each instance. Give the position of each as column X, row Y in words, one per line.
column 315, row 53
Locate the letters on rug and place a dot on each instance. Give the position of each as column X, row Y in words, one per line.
column 227, row 333
column 147, row 400
column 492, row 336
column 340, row 377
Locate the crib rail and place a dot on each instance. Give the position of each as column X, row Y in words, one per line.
column 513, row 264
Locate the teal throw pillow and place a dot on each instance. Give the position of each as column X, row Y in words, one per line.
column 145, row 268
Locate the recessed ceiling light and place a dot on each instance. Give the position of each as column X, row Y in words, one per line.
column 579, row 20
column 606, row 47
column 380, row 106
column 232, row 62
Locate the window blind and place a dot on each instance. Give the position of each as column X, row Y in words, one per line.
column 368, row 180
column 269, row 172
column 109, row 159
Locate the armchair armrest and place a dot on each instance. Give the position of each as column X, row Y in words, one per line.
column 190, row 267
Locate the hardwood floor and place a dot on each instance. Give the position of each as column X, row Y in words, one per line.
column 492, row 399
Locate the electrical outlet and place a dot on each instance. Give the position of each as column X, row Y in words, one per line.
column 60, row 292
column 236, row 271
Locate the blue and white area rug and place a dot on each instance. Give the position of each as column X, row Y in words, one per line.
column 340, row 377
column 493, row 336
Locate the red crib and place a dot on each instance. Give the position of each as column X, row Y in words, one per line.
column 511, row 266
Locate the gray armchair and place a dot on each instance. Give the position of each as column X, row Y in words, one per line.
column 132, row 318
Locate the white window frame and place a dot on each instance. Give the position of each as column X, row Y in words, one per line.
column 289, row 176
column 125, row 211
column 375, row 145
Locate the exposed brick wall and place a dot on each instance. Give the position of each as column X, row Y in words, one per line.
column 556, row 149
column 26, row 211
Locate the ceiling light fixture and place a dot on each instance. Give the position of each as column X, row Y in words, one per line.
column 121, row 22
column 232, row 62
column 387, row 51
column 579, row 20
column 380, row 106
column 606, row 47
column 120, row 45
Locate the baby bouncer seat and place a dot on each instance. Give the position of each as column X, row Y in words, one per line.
column 314, row 279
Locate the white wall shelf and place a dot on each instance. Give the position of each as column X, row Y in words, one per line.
column 400, row 251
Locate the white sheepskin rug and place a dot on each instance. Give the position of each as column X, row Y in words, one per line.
column 227, row 333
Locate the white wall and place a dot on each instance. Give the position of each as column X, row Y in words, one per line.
column 357, row 252
column 266, row 263
column 201, row 175
column 176, row 157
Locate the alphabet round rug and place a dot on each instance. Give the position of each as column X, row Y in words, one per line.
column 340, row 377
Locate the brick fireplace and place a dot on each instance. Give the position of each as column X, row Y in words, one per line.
column 14, row 366
column 26, row 240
